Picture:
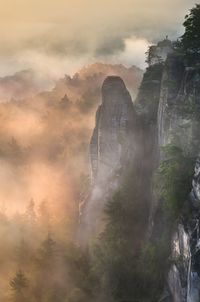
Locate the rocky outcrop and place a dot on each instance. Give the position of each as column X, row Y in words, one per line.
column 112, row 149
column 177, row 280
column 148, row 98
column 158, row 53
column 146, row 105
column 112, row 139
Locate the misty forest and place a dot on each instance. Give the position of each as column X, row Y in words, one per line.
column 100, row 179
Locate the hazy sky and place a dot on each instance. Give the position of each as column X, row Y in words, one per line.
column 58, row 36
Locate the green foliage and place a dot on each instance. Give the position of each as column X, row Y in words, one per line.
column 83, row 278
column 152, row 56
column 128, row 267
column 190, row 40
column 173, row 179
column 117, row 251
column 153, row 264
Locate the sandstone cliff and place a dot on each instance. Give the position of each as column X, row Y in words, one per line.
column 176, row 110
column 112, row 149
column 166, row 113
column 112, row 140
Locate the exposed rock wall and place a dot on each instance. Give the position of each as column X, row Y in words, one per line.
column 146, row 105
column 179, row 106
column 178, row 124
column 169, row 103
column 177, row 280
column 112, row 140
column 112, row 149
column 166, row 111
column 184, row 276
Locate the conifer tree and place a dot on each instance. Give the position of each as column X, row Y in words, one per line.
column 19, row 284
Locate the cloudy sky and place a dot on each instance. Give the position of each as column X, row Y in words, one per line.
column 59, row 36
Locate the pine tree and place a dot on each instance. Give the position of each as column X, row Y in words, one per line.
column 47, row 253
column 19, row 284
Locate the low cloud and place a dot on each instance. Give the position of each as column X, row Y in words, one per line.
column 110, row 46
column 68, row 34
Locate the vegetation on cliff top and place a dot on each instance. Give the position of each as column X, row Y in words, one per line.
column 190, row 40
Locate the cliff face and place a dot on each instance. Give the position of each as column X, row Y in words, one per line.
column 179, row 106
column 112, row 149
column 174, row 110
column 183, row 279
column 112, row 140
column 166, row 112
column 178, row 124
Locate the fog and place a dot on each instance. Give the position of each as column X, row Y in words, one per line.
column 58, row 37
column 47, row 114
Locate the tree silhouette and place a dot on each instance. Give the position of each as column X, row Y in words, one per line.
column 18, row 284
column 47, row 254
